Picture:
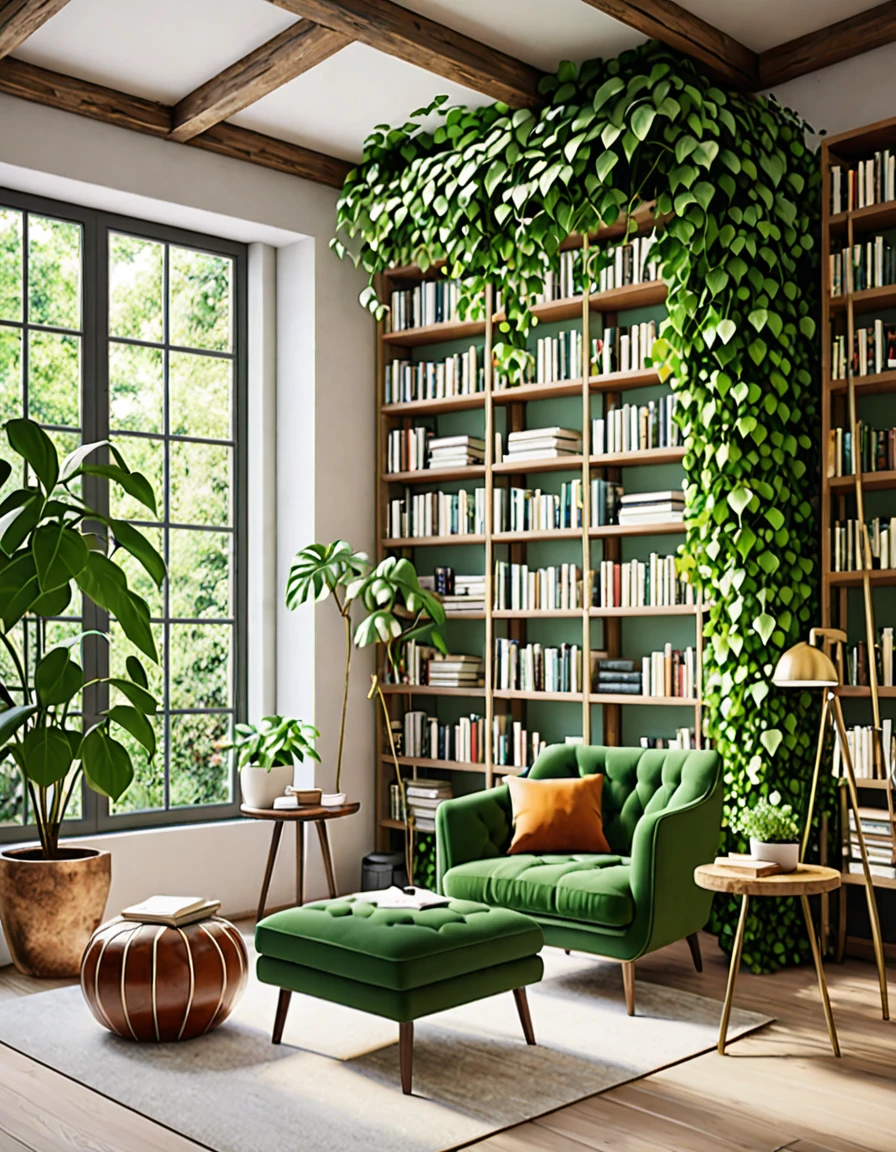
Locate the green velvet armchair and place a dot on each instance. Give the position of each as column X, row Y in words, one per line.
column 662, row 815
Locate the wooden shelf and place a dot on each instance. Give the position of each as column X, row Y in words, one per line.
column 870, row 219
column 523, row 393
column 611, row 530
column 863, row 692
column 434, row 475
column 881, row 785
column 435, row 407
column 623, row 381
column 537, row 614
column 876, row 881
column 874, row 384
column 870, row 481
column 429, row 541
column 429, row 690
column 624, row 698
column 629, row 296
column 646, row 610
column 639, row 458
column 884, row 577
column 518, row 694
column 424, row 762
column 520, row 467
column 435, row 333
column 397, row 825
column 545, row 534
column 868, row 300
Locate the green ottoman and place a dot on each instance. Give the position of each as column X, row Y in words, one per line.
column 399, row 964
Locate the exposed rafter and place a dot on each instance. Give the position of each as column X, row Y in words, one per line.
column 418, row 40
column 723, row 56
column 857, row 34
column 273, row 64
column 97, row 102
column 20, row 18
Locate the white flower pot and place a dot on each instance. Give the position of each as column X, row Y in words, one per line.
column 786, row 855
column 262, row 786
column 333, row 799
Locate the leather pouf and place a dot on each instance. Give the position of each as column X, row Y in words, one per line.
column 152, row 983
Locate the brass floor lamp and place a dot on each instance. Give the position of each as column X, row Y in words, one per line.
column 808, row 666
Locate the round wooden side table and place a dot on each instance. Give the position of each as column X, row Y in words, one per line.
column 808, row 880
column 314, row 814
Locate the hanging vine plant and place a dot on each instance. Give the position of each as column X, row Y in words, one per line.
column 492, row 193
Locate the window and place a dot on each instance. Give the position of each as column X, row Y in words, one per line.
column 118, row 329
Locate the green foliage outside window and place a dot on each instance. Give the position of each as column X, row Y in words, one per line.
column 493, row 193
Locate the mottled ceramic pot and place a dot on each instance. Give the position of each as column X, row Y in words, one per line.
column 50, row 908
column 149, row 982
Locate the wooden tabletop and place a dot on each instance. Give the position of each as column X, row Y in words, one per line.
column 808, row 880
column 306, row 812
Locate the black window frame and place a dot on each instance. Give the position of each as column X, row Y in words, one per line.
column 96, row 226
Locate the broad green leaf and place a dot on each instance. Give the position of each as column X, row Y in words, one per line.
column 771, row 738
column 726, row 330
column 19, row 513
column 142, row 700
column 133, row 721
column 136, row 671
column 642, row 119
column 133, row 541
column 106, row 585
column 47, row 756
column 74, row 460
column 106, row 764
column 134, row 483
column 607, row 90
column 739, row 498
column 35, row 446
column 57, row 678
column 60, row 553
column 494, row 176
column 764, row 624
column 12, row 720
column 605, row 164
column 18, row 588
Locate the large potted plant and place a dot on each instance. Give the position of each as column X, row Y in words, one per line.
column 55, row 548
column 267, row 754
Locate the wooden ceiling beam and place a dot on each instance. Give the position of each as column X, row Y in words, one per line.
column 286, row 56
column 20, row 18
column 724, row 57
column 847, row 38
column 83, row 98
column 398, row 32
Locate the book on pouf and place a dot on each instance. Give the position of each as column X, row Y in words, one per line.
column 174, row 911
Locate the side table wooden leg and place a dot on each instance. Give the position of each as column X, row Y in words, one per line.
column 819, row 969
column 732, row 974
column 522, row 1007
column 406, row 1055
column 694, row 945
column 300, row 862
column 269, row 869
column 324, row 837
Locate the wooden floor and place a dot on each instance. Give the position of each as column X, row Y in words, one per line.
column 779, row 1088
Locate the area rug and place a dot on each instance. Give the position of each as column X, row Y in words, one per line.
column 333, row 1084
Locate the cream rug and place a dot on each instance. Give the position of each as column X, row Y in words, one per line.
column 333, row 1084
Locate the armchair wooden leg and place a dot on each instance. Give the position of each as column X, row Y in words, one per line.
column 522, row 1006
column 628, row 983
column 694, row 945
column 280, row 1018
column 406, row 1055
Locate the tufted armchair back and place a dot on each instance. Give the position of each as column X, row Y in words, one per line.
column 638, row 781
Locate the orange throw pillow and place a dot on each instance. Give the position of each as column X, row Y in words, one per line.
column 557, row 815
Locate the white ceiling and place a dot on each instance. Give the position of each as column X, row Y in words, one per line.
column 163, row 49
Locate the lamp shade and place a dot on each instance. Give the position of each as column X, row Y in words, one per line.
column 805, row 666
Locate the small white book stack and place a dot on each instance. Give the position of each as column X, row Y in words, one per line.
column 468, row 595
column 173, row 911
column 453, row 671
column 543, row 444
column 455, row 452
column 652, row 507
column 423, row 798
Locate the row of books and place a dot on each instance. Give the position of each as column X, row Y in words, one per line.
column 874, row 350
column 878, row 833
column 847, row 550
column 543, row 443
column 531, row 510
column 627, row 264
column 860, row 741
column 637, row 427
column 432, row 302
column 872, row 181
column 652, row 508
column 521, row 588
column 558, row 357
column 870, row 264
column 684, row 739
column 536, row 667
column 513, row 745
column 653, row 583
column 670, row 672
column 427, row 737
column 459, row 375
column 856, row 672
column 439, row 513
column 877, row 450
column 623, row 349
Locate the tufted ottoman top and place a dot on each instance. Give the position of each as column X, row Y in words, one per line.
column 397, row 949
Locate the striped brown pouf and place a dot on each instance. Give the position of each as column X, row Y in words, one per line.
column 149, row 982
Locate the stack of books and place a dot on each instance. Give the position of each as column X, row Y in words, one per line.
column 172, row 911
column 878, row 833
column 617, row 677
column 468, row 595
column 455, row 452
column 747, row 866
column 456, row 671
column 543, row 444
column 423, row 798
column 652, row 507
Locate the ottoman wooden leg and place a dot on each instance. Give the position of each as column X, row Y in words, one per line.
column 406, row 1055
column 280, row 1018
column 522, row 1006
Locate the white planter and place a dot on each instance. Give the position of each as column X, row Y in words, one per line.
column 333, row 799
column 261, row 787
column 787, row 855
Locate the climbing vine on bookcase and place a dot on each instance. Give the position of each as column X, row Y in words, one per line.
column 493, row 193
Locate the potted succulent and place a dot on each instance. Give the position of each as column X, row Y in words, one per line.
column 774, row 833
column 55, row 549
column 267, row 754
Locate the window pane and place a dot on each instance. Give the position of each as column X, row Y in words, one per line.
column 139, row 580
column 147, row 790
column 136, row 384
column 11, row 403
column 200, row 774
column 64, row 443
column 54, row 272
column 199, row 574
column 12, row 794
column 135, row 287
column 200, row 483
column 148, row 458
column 54, row 379
column 199, row 396
column 200, row 665
column 200, row 300
column 9, row 673
column 10, row 264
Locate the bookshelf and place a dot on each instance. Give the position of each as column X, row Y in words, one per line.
column 850, row 309
column 607, row 631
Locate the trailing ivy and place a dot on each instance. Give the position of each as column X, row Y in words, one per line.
column 493, row 193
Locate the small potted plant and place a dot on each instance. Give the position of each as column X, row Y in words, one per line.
column 267, row 754
column 774, row 833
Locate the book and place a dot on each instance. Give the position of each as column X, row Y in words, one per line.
column 616, row 665
column 537, row 433
column 457, row 442
column 610, row 677
column 673, row 496
column 623, row 688
column 747, row 866
column 427, row 788
column 175, row 911
column 409, row 898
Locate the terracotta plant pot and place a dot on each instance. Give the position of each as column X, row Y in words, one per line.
column 51, row 908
